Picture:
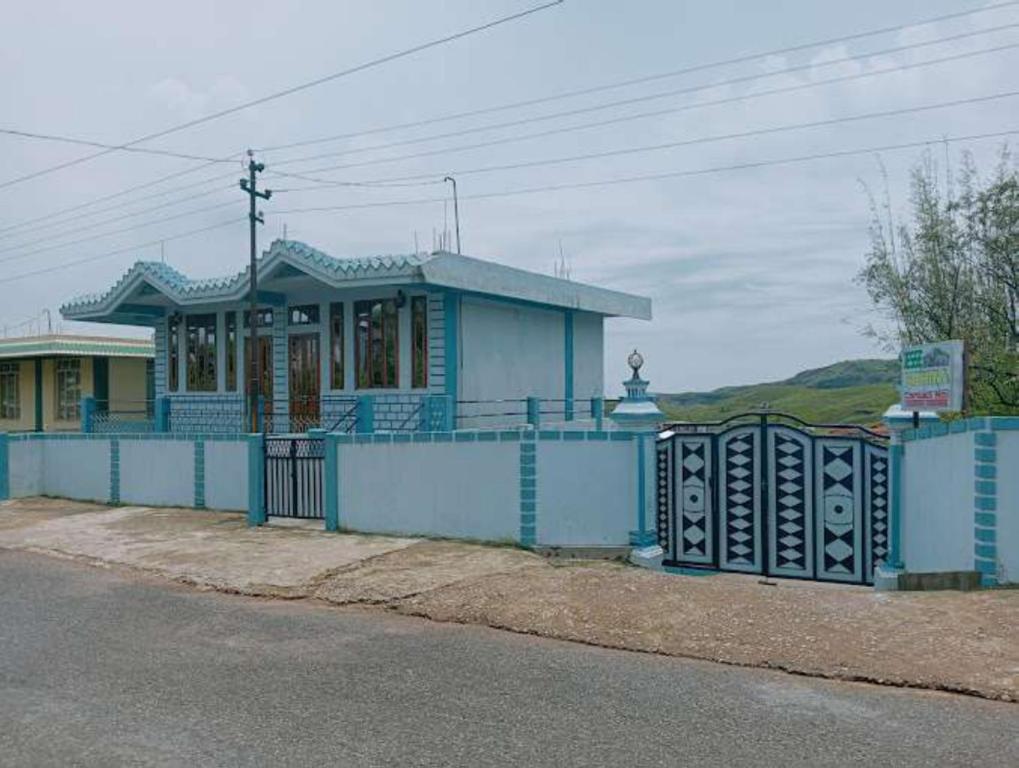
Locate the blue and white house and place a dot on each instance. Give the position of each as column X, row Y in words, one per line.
column 400, row 343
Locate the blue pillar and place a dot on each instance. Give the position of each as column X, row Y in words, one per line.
column 162, row 414
column 365, row 414
column 642, row 537
column 437, row 414
column 256, row 483
column 598, row 412
column 88, row 412
column 5, row 467
column 534, row 412
column 331, row 484
column 568, row 359
column 896, row 456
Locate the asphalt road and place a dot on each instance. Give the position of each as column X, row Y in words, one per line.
column 103, row 668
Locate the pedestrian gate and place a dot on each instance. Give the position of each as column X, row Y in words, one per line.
column 293, row 476
column 770, row 494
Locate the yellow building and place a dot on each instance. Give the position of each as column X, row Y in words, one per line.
column 44, row 378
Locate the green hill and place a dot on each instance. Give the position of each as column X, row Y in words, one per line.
column 851, row 392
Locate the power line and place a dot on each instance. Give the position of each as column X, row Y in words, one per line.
column 503, row 107
column 627, row 118
column 121, row 193
column 185, row 214
column 644, row 79
column 90, row 259
column 93, row 225
column 660, row 176
column 85, row 142
column 698, row 140
column 288, row 91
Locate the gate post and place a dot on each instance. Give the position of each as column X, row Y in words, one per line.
column 331, row 482
column 639, row 413
column 534, row 412
column 256, row 479
column 162, row 414
column 598, row 412
column 5, row 467
column 88, row 412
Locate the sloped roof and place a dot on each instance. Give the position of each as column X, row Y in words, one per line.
column 67, row 345
column 440, row 268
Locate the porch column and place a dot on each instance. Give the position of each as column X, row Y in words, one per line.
column 5, row 467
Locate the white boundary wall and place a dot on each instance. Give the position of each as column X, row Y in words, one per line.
column 556, row 489
column 201, row 471
column 937, row 521
column 959, row 498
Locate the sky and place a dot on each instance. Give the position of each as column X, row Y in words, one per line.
column 750, row 270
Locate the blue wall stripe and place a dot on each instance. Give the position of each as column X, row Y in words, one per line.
column 528, row 493
column 5, row 468
column 985, row 502
column 199, row 474
column 331, row 484
column 114, row 471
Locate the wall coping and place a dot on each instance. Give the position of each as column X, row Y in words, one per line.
column 977, row 424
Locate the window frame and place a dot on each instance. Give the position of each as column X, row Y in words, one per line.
column 200, row 360
column 230, row 332
column 173, row 353
column 419, row 342
column 381, row 333
column 299, row 315
column 337, row 346
column 10, row 388
column 67, row 369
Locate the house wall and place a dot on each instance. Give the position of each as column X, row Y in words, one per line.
column 553, row 488
column 510, row 352
column 958, row 487
column 588, row 355
column 158, row 470
column 127, row 384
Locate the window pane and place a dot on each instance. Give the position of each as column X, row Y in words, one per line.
column 304, row 315
column 68, row 390
column 231, row 351
column 419, row 338
column 201, row 353
column 10, row 391
column 376, row 343
column 336, row 345
column 264, row 318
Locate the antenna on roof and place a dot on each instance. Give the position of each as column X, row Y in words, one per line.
column 284, row 230
column 162, row 251
column 561, row 268
column 417, row 250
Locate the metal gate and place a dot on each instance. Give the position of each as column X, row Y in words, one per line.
column 293, row 477
column 770, row 494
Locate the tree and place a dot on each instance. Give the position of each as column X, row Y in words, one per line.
column 952, row 272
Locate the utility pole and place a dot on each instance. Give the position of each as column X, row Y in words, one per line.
column 456, row 213
column 250, row 185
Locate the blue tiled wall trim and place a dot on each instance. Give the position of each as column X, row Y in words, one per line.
column 985, row 504
column 528, row 492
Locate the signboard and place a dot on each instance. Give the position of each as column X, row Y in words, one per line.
column 933, row 377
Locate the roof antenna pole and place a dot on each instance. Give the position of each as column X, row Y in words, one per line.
column 456, row 213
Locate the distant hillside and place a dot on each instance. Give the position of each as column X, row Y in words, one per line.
column 852, row 392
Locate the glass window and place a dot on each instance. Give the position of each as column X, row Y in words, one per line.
column 336, row 345
column 201, row 353
column 10, row 391
column 419, row 341
column 264, row 318
column 173, row 353
column 231, row 351
column 304, row 315
column 68, row 390
column 376, row 346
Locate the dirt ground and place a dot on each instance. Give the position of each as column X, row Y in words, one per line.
column 964, row 642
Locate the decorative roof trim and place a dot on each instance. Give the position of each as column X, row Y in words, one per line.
column 75, row 346
column 441, row 269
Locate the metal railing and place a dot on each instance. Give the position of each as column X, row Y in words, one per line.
column 768, row 417
column 108, row 416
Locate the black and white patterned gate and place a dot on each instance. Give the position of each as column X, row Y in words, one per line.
column 769, row 494
column 293, row 477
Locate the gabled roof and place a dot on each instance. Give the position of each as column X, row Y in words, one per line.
column 441, row 269
column 67, row 345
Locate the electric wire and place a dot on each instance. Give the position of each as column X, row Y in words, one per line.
column 286, row 92
column 742, row 59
